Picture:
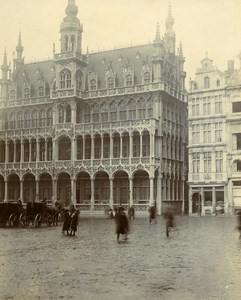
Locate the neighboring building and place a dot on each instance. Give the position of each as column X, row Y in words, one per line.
column 95, row 129
column 234, row 139
column 209, row 140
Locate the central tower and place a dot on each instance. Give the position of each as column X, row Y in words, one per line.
column 71, row 30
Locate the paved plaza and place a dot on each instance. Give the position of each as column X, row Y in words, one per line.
column 200, row 260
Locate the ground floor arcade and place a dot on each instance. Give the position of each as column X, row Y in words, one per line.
column 97, row 191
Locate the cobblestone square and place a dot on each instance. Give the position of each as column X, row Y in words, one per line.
column 200, row 260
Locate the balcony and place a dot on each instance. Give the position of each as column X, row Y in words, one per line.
column 71, row 55
column 158, row 86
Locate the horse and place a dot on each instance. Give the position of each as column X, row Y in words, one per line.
column 122, row 224
column 152, row 213
column 131, row 212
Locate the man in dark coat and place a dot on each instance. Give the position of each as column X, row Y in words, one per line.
column 122, row 224
column 74, row 222
column 67, row 220
column 152, row 213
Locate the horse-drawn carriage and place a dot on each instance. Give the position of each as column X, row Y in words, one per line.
column 37, row 213
column 10, row 213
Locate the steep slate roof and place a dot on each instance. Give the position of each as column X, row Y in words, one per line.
column 119, row 59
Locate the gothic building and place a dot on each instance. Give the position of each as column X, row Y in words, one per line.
column 214, row 110
column 95, row 129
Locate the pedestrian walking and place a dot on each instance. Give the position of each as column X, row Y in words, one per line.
column 74, row 222
column 152, row 213
column 67, row 221
column 122, row 223
column 168, row 215
column 239, row 223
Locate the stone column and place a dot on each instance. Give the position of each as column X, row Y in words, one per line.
column 111, row 193
column 22, row 151
column 152, row 146
column 54, row 155
column 131, row 191
column 111, row 148
column 30, row 150
column 73, row 191
column 141, row 146
column 202, row 200
column 73, row 150
column 92, row 201
column 121, row 144
column 45, row 150
column 6, row 191
column 159, row 194
column 37, row 150
column 130, row 148
column 21, row 190
column 84, row 148
column 151, row 202
column 14, row 152
column 37, row 189
column 102, row 148
column 54, row 190
column 6, row 152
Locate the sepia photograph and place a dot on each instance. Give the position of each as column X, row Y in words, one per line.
column 120, row 149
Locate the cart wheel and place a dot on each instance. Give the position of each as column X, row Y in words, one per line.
column 23, row 220
column 13, row 220
column 37, row 220
column 49, row 220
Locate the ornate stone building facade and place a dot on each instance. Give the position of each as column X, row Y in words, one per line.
column 214, row 140
column 95, row 129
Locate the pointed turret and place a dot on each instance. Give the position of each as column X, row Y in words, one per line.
column 71, row 29
column 158, row 37
column 5, row 67
column 19, row 48
column 170, row 37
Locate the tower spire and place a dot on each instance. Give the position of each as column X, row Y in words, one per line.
column 5, row 66
column 71, row 29
column 158, row 37
column 170, row 37
column 19, row 48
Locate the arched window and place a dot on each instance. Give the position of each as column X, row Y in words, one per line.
column 41, row 91
column 42, row 118
column 27, row 119
column 68, row 113
column 93, row 86
column 195, row 86
column 12, row 121
column 61, row 114
column 141, row 109
column 49, row 117
column 110, row 83
column 66, row 43
column 65, row 79
column 78, row 80
column 206, row 83
column 34, row 119
column 72, row 42
column 129, row 80
column 12, row 95
column 26, row 93
column 218, row 83
column 146, row 78
column 19, row 120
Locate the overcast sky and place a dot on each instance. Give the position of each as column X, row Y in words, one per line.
column 212, row 26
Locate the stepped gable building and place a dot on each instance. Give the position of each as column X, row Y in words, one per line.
column 95, row 129
column 214, row 110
